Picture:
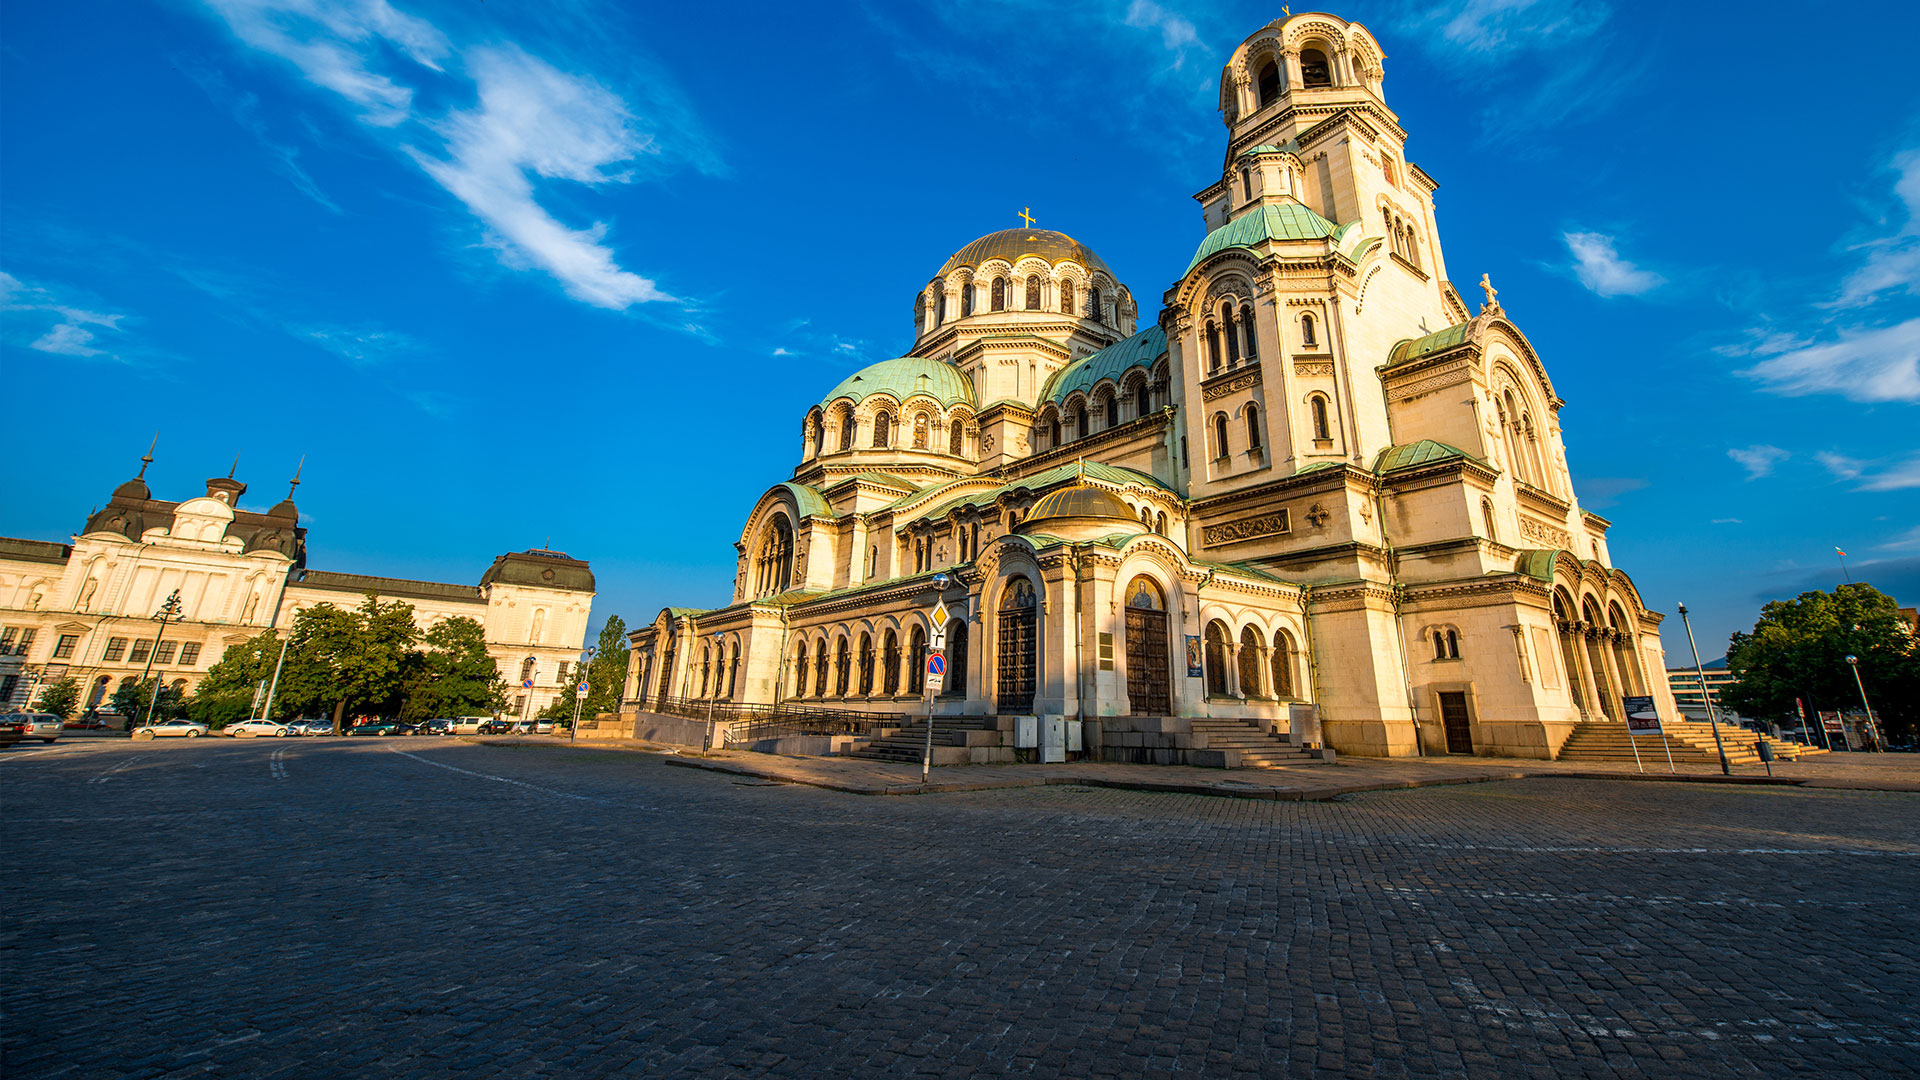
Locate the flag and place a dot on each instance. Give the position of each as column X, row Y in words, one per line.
column 1841, row 553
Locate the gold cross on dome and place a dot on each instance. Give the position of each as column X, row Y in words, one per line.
column 1026, row 215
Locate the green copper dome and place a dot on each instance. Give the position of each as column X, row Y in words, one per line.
column 1274, row 221
column 903, row 378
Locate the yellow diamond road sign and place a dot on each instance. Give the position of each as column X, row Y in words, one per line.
column 939, row 616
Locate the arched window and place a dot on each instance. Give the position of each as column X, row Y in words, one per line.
column 1216, row 657
column 1253, row 427
column 956, row 684
column 1220, row 447
column 1142, row 398
column 733, row 671
column 843, row 668
column 866, row 665
column 1053, row 432
column 800, row 671
column 1160, row 523
column 920, row 313
column 846, row 427
column 706, row 667
column 1252, row 644
column 1269, row 83
column 1446, row 644
column 890, row 664
column 775, row 562
column 1080, row 420
column 999, row 300
column 1246, row 182
column 1314, row 70
column 939, row 305
column 1113, row 410
column 1282, row 664
column 1066, row 298
column 1033, row 292
column 1322, row 429
column 1306, row 330
column 882, row 430
column 820, row 670
column 920, row 429
column 818, row 428
column 916, row 658
column 1094, row 308
column 1213, row 347
column 1232, row 333
column 1246, row 327
column 956, row 438
column 1486, row 518
column 966, row 298
column 1146, row 519
column 1533, row 451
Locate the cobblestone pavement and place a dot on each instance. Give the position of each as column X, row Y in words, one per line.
column 422, row 908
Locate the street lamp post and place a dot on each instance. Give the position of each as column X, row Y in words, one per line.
column 1873, row 729
column 926, row 759
column 267, row 712
column 1713, row 719
column 168, row 611
column 713, row 691
column 573, row 733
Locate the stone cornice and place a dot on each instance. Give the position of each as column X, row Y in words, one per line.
column 1595, row 522
column 1342, row 474
column 1545, row 501
column 1448, row 468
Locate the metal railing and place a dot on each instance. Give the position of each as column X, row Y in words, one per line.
column 749, row 722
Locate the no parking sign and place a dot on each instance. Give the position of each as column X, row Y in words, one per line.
column 936, row 671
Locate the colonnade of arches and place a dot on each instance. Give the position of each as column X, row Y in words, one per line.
column 882, row 423
column 1600, row 654
column 1067, row 289
column 1255, row 663
column 1108, row 404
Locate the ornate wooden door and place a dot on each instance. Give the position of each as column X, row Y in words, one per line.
column 1017, row 649
column 1147, row 676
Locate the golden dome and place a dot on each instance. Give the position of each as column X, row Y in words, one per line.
column 1082, row 500
column 1016, row 244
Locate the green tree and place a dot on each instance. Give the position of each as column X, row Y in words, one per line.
column 1799, row 647
column 341, row 660
column 454, row 676
column 59, row 697
column 226, row 694
column 130, row 701
column 606, row 677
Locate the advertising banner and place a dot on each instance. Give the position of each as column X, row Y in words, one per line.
column 1194, row 670
column 1642, row 717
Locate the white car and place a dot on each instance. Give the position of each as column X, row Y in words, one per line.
column 185, row 729
column 247, row 729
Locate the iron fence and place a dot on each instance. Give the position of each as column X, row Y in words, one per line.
column 750, row 722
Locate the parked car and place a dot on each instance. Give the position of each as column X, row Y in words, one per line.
column 315, row 727
column 381, row 727
column 470, row 725
column 493, row 727
column 37, row 725
column 12, row 730
column 437, row 726
column 543, row 727
column 176, row 728
column 247, row 729
column 86, row 723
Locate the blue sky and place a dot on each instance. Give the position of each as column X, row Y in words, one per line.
column 507, row 273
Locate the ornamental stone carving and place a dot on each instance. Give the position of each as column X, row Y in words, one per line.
column 1233, row 532
column 1313, row 367
column 1546, row 535
column 1246, row 380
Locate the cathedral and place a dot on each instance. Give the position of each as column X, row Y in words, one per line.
column 1313, row 492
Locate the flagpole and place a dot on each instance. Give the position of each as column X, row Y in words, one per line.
column 1843, row 565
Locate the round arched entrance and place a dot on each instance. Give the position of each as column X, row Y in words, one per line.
column 1018, row 647
column 1149, row 683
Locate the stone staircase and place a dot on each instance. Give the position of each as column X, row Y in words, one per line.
column 1257, row 748
column 957, row 740
column 1691, row 742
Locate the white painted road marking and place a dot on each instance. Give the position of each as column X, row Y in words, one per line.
column 105, row 776
column 277, row 764
column 490, row 776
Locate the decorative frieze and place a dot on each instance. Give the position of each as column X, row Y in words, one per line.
column 1222, row 385
column 1544, row 534
column 1310, row 368
column 1233, row 532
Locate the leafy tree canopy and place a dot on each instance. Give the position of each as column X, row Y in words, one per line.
column 454, row 676
column 1799, row 647
column 130, row 701
column 606, row 677
column 59, row 697
column 226, row 694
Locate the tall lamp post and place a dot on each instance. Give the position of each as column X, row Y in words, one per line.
column 713, row 691
column 1873, row 729
column 168, row 611
column 1713, row 719
column 580, row 693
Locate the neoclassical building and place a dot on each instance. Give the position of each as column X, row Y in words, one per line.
column 85, row 608
column 1314, row 482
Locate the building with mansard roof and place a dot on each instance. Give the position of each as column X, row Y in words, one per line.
column 84, row 608
column 1316, row 494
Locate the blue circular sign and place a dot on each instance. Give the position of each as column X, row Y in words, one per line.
column 936, row 664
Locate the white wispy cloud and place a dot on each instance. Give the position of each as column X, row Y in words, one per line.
column 1728, row 521
column 1600, row 268
column 1758, row 460
column 1880, row 474
column 1177, row 34
column 531, row 123
column 1893, row 262
column 1496, row 27
column 68, row 329
column 1906, row 541
column 1863, row 365
column 245, row 108
column 360, row 346
column 1841, row 466
column 1556, row 56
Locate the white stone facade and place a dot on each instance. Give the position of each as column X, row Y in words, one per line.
column 1317, row 474
column 86, row 609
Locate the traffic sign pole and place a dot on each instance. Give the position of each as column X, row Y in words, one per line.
column 936, row 672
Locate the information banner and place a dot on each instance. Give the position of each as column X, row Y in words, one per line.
column 1194, row 670
column 1642, row 717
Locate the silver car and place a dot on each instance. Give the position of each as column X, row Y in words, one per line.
column 39, row 725
column 247, row 729
column 176, row 728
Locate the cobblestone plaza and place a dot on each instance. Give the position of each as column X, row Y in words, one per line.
column 420, row 908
